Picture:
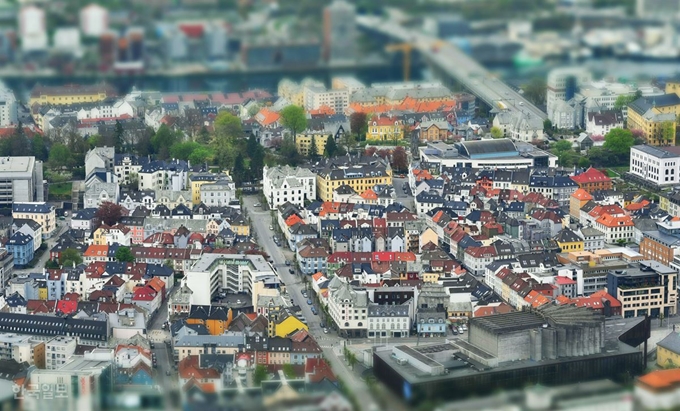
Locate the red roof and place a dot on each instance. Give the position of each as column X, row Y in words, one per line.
column 316, row 369
column 562, row 280
column 592, row 175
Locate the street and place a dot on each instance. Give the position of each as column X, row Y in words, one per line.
column 62, row 226
column 294, row 284
column 404, row 198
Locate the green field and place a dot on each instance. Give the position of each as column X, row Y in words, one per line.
column 60, row 189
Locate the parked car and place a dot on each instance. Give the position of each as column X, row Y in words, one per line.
column 309, row 302
column 167, row 372
column 454, row 331
column 271, row 227
column 257, row 205
column 314, row 311
column 464, row 327
column 287, row 262
column 460, row 330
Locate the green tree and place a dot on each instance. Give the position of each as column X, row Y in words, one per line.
column 183, row 150
column 313, row 149
column 619, row 141
column 119, row 137
column 289, row 152
column 200, row 155
column 563, row 145
column 162, row 141
column 358, row 124
column 547, row 124
column 96, row 140
column 331, row 147
column 623, row 101
column 38, row 147
column 239, row 172
column 668, row 132
column 69, row 257
column 60, row 157
column 259, row 375
column 348, row 141
column 496, row 132
column 293, row 118
column 124, row 255
column 583, row 162
column 535, row 91
column 228, row 125
column 254, row 109
column 288, row 370
column 203, row 135
column 400, row 159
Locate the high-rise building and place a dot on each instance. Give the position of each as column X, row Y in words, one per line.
column 339, row 31
column 8, row 108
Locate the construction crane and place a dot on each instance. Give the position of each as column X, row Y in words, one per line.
column 406, row 49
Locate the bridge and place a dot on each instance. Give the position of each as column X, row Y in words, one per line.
column 453, row 62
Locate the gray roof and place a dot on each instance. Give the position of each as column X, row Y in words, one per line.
column 671, row 342
column 488, row 146
column 659, row 152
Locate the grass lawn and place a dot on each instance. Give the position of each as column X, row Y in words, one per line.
column 60, row 189
column 616, row 171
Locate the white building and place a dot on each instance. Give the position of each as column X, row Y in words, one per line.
column 58, row 351
column 162, row 175
column 317, row 96
column 32, row 28
column 288, row 184
column 218, row 194
column 602, row 123
column 67, row 40
column 99, row 158
column 21, row 180
column 8, row 108
column 563, row 83
column 348, row 308
column 388, row 321
column 94, row 20
column 234, row 272
column 657, row 165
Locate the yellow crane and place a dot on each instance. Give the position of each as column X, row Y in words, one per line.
column 405, row 49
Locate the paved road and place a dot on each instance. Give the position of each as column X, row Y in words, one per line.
column 457, row 64
column 62, row 226
column 261, row 221
column 406, row 199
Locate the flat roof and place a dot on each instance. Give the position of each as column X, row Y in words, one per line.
column 16, row 164
column 509, row 322
column 418, row 355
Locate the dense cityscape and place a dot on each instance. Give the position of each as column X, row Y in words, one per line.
column 339, row 205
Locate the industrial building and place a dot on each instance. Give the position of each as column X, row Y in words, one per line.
column 487, row 154
column 555, row 345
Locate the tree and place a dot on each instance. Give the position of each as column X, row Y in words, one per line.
column 239, row 172
column 583, row 162
column 228, row 125
column 293, row 118
column 313, row 149
column 668, row 132
column 69, row 257
column 124, row 255
column 288, row 370
column 254, row 109
column 563, row 145
column 348, row 141
column 289, row 152
column 162, row 141
column 260, row 374
column 203, row 135
column 109, row 213
column 60, row 156
column 200, row 155
column 38, row 147
column 496, row 132
column 119, row 137
column 400, row 159
column 358, row 124
column 331, row 147
column 535, row 91
column 619, row 141
column 547, row 124
column 144, row 145
column 623, row 101
column 183, row 150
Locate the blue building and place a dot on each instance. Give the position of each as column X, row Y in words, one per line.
column 20, row 246
column 431, row 322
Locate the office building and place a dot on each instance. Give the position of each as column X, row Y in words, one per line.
column 655, row 166
column 647, row 288
column 21, row 180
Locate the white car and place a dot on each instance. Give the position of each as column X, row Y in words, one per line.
column 257, row 205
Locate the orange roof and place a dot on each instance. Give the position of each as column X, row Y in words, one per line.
column 582, row 194
column 369, row 195
column 611, row 221
column 156, row 284
column 316, row 276
column 267, row 117
column 661, row 379
column 294, row 219
column 562, row 299
column 322, row 110
column 637, row 206
column 97, row 251
column 536, row 299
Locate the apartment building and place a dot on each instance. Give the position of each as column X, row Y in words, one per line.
column 646, row 288
column 58, row 351
column 348, row 308
column 655, row 117
column 283, row 184
column 42, row 213
column 659, row 166
column 21, row 180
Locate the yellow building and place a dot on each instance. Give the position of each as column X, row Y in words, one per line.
column 385, row 128
column 431, row 277
column 668, row 351
column 42, row 291
column 569, row 241
column 42, row 213
column 656, row 117
column 215, row 318
column 360, row 179
column 239, row 225
column 70, row 94
column 287, row 324
column 303, row 142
